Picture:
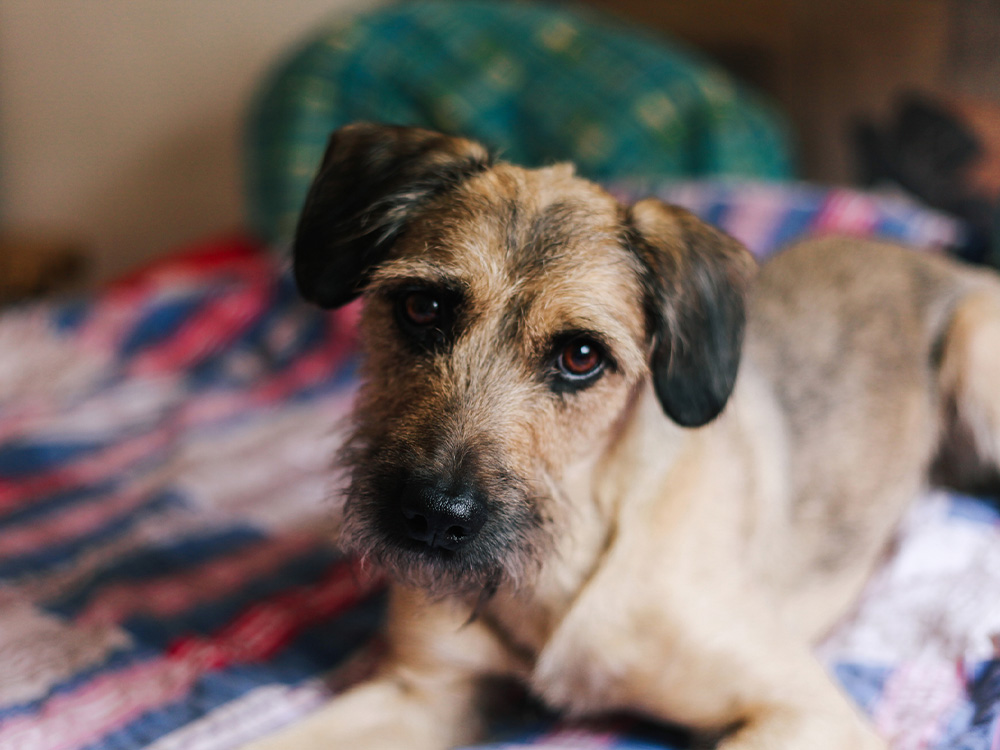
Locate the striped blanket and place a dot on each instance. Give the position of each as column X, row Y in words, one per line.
column 167, row 579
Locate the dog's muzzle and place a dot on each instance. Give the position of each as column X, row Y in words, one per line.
column 441, row 519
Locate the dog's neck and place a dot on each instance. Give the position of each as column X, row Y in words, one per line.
column 638, row 456
column 629, row 467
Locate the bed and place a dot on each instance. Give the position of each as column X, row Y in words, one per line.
column 168, row 578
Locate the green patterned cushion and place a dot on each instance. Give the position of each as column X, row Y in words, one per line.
column 538, row 83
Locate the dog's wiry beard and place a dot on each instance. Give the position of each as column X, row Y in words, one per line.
column 507, row 551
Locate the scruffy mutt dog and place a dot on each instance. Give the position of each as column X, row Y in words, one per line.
column 597, row 451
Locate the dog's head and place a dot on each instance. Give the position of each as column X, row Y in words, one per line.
column 510, row 315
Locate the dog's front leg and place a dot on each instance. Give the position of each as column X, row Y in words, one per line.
column 702, row 654
column 807, row 711
column 759, row 695
column 425, row 695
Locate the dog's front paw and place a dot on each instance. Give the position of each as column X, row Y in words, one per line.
column 390, row 736
column 377, row 715
column 793, row 730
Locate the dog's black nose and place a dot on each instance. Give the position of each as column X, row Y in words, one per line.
column 446, row 520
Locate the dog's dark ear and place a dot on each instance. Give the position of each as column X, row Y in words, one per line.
column 371, row 181
column 697, row 283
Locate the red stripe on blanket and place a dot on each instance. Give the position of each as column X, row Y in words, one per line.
column 111, row 700
column 167, row 597
column 198, row 409
column 71, row 523
column 847, row 212
column 206, row 266
column 216, row 323
column 86, row 471
column 212, row 255
column 266, row 627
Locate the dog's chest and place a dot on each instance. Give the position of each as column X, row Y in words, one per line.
column 526, row 617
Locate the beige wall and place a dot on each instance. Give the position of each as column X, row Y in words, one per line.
column 120, row 120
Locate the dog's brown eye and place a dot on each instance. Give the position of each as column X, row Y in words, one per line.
column 426, row 315
column 421, row 309
column 580, row 359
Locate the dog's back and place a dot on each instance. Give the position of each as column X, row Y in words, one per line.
column 877, row 357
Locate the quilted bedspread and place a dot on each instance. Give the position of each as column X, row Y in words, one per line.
column 167, row 577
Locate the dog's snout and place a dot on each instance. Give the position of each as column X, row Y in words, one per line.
column 442, row 519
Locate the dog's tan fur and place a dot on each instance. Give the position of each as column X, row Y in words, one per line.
column 638, row 565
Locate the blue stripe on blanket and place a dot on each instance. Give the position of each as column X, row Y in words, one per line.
column 985, row 696
column 152, row 562
column 975, row 724
column 865, row 682
column 22, row 458
column 54, row 502
column 160, row 321
column 313, row 653
column 257, row 355
column 208, row 617
column 116, row 661
column 60, row 554
column 793, row 225
column 974, row 509
column 71, row 314
column 625, row 734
